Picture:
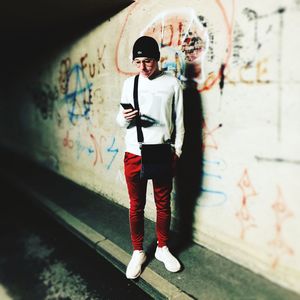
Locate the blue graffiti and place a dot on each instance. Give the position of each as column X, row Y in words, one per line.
column 222, row 198
column 174, row 62
column 81, row 148
column 211, row 175
column 219, row 197
column 212, row 162
column 78, row 95
column 115, row 151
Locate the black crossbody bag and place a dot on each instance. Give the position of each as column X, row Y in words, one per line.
column 156, row 158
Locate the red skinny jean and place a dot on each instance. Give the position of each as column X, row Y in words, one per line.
column 137, row 194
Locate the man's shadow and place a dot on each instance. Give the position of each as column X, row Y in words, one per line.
column 189, row 175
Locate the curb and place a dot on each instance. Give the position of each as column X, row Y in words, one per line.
column 149, row 281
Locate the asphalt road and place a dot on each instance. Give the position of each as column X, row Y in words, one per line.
column 41, row 260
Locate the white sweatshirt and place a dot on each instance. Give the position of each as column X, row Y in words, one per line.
column 156, row 98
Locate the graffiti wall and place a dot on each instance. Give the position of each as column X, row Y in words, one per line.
column 241, row 57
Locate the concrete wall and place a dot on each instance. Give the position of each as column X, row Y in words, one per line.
column 63, row 116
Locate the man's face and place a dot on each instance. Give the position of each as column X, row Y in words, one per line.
column 147, row 66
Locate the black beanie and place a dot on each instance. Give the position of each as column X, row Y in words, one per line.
column 146, row 46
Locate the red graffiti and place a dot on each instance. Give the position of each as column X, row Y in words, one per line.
column 243, row 214
column 177, row 30
column 67, row 142
column 282, row 213
column 130, row 12
column 97, row 148
column 208, row 136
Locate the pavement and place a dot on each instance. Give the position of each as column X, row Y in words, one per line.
column 103, row 225
column 42, row 260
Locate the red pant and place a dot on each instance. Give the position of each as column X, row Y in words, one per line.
column 137, row 193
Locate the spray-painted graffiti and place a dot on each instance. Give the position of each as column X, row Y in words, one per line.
column 78, row 94
column 237, row 46
column 277, row 160
column 64, row 69
column 82, row 149
column 265, row 25
column 75, row 86
column 250, row 63
column 112, row 150
column 97, row 149
column 208, row 137
column 212, row 170
column 44, row 97
column 249, row 73
column 93, row 148
column 282, row 214
column 98, row 96
column 243, row 214
column 59, row 120
column 92, row 67
column 67, row 141
column 185, row 38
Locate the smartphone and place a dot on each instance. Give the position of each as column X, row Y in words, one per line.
column 127, row 106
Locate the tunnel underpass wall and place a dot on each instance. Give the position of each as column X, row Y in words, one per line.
column 63, row 113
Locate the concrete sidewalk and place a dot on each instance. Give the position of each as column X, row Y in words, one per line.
column 103, row 225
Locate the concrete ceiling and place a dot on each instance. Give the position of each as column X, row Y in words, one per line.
column 30, row 29
column 21, row 16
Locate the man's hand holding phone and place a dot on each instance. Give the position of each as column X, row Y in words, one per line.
column 129, row 112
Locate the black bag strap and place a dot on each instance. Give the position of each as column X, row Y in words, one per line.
column 139, row 131
column 173, row 135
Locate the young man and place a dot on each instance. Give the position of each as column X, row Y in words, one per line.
column 161, row 112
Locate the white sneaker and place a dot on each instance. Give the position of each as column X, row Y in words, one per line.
column 164, row 255
column 134, row 267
